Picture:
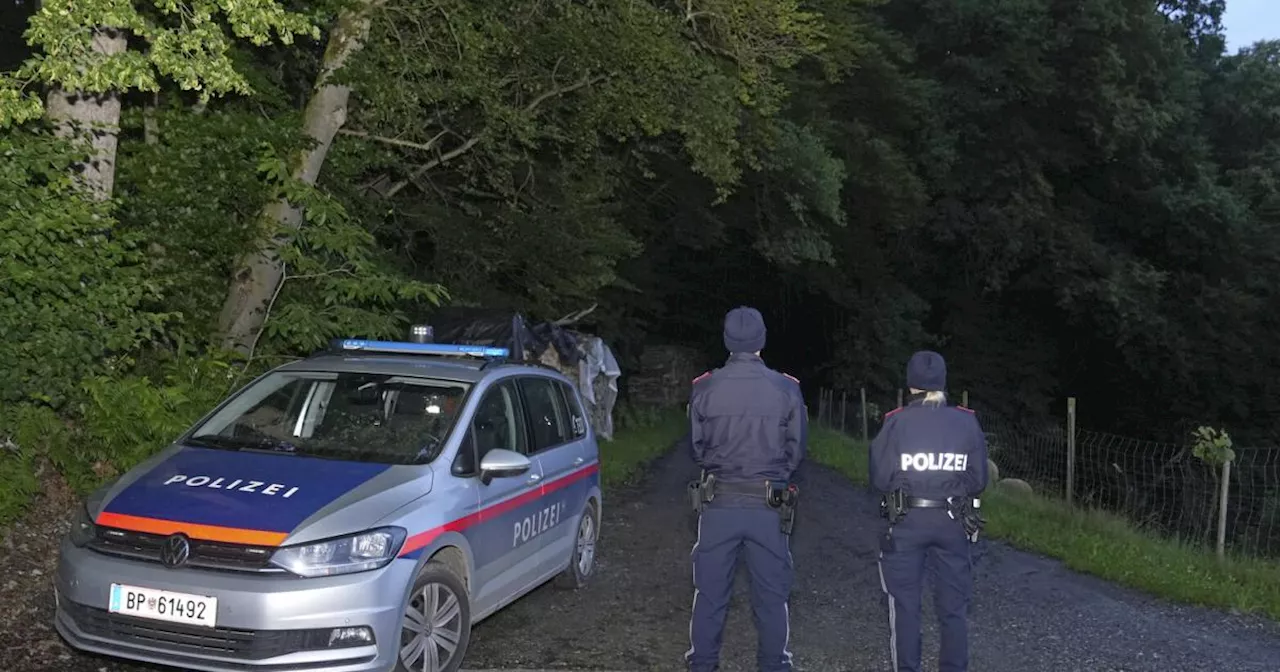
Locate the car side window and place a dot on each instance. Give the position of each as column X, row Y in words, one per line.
column 545, row 406
column 577, row 418
column 499, row 422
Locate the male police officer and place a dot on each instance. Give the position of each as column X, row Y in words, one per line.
column 930, row 460
column 748, row 426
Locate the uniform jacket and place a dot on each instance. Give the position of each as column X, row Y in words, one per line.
column 932, row 452
column 747, row 421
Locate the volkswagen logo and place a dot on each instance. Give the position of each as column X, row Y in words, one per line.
column 175, row 551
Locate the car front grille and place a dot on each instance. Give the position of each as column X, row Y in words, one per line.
column 204, row 554
column 193, row 640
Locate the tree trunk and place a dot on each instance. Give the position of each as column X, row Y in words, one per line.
column 260, row 272
column 93, row 119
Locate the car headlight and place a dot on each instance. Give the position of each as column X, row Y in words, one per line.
column 344, row 555
column 83, row 530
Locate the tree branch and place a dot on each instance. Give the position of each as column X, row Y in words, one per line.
column 561, row 90
column 466, row 146
column 424, row 146
column 439, row 160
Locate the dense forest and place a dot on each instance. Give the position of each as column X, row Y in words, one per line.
column 1065, row 197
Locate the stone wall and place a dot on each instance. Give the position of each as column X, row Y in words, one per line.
column 664, row 376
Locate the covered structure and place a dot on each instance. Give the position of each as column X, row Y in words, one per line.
column 582, row 357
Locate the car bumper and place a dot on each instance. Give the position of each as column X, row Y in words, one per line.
column 265, row 622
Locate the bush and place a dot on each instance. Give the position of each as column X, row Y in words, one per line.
column 117, row 422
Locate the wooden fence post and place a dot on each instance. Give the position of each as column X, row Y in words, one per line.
column 1071, row 449
column 1222, row 510
column 964, row 398
column 863, row 392
column 899, row 397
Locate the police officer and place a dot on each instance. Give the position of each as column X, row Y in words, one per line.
column 930, row 462
column 748, row 427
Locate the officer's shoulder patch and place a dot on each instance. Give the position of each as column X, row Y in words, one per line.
column 793, row 378
column 890, row 413
column 966, row 409
column 704, row 375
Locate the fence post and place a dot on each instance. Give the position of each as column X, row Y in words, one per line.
column 844, row 404
column 863, row 392
column 1222, row 510
column 899, row 397
column 1071, row 449
column 964, row 398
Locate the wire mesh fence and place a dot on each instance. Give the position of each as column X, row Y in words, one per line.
column 1163, row 488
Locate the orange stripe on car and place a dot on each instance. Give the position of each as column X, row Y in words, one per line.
column 159, row 526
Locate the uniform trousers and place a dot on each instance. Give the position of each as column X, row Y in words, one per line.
column 731, row 525
column 921, row 534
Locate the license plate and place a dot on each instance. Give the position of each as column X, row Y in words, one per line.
column 162, row 605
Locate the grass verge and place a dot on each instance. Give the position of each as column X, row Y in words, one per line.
column 1098, row 543
column 640, row 436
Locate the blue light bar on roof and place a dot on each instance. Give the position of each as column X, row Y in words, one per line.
column 422, row 348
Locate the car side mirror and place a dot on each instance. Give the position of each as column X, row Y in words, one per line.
column 501, row 463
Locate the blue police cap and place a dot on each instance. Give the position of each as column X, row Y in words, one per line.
column 744, row 330
column 926, row 370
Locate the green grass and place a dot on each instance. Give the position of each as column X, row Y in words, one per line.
column 1098, row 543
column 640, row 436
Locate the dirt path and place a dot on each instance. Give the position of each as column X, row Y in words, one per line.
column 1030, row 614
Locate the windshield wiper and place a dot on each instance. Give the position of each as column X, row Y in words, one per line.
column 230, row 443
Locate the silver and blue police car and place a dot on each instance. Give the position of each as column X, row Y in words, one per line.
column 357, row 510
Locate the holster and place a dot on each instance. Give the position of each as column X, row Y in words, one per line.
column 893, row 506
column 784, row 497
column 702, row 491
column 966, row 510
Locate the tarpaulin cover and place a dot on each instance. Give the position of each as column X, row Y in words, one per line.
column 584, row 358
column 504, row 329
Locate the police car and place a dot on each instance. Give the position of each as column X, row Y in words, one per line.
column 358, row 510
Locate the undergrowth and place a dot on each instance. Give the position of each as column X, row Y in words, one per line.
column 1097, row 542
column 114, row 423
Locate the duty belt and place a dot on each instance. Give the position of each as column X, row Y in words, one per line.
column 742, row 488
column 921, row 503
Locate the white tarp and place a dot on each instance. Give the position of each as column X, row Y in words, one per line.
column 598, row 374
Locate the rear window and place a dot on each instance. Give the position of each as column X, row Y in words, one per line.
column 348, row 416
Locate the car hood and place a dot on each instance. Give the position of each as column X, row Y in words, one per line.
column 258, row 499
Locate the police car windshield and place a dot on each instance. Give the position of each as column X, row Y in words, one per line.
column 346, row 416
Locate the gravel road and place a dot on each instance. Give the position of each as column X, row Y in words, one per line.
column 1030, row 614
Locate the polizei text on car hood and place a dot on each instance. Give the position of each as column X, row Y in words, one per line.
column 257, row 499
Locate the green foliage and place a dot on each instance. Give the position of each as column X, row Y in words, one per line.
column 72, row 283
column 120, row 421
column 192, row 198
column 340, row 284
column 1213, row 446
column 185, row 42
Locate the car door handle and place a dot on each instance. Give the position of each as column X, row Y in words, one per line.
column 534, row 478
column 578, row 461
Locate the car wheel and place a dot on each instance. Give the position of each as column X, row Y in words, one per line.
column 582, row 563
column 436, row 625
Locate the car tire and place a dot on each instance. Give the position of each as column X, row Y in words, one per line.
column 582, row 561
column 436, row 584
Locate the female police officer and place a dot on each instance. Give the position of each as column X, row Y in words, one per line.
column 930, row 462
